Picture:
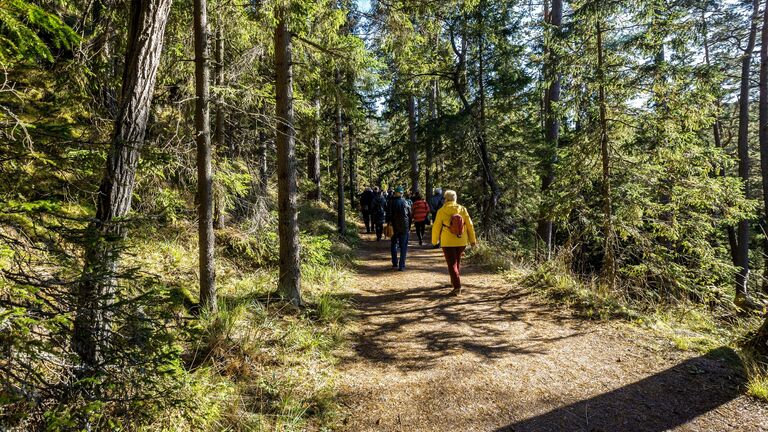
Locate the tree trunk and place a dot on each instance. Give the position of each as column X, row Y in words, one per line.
column 551, row 74
column 352, row 139
column 764, row 131
column 218, row 74
column 314, row 156
column 717, row 133
column 413, row 145
column 490, row 179
column 204, row 175
column 742, row 236
column 431, row 142
column 609, row 262
column 289, row 282
column 478, row 119
column 341, row 222
column 106, row 232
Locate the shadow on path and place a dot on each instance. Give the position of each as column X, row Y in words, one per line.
column 657, row 403
column 410, row 321
column 496, row 359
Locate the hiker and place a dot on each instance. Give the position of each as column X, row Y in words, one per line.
column 407, row 198
column 453, row 230
column 378, row 212
column 435, row 203
column 399, row 218
column 366, row 198
column 420, row 212
column 390, row 197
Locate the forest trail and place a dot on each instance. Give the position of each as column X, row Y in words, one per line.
column 497, row 359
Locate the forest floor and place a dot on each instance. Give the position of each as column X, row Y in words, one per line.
column 499, row 358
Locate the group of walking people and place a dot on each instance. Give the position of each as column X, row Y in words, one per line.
column 392, row 213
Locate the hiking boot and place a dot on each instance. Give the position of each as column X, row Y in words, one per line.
column 455, row 292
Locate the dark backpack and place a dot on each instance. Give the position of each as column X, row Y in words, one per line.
column 456, row 226
column 400, row 215
column 378, row 206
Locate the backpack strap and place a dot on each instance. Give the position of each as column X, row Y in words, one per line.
column 460, row 209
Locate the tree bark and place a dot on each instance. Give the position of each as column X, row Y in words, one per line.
column 477, row 117
column 289, row 281
column 431, row 142
column 204, row 173
column 314, row 156
column 490, row 179
column 105, row 233
column 352, row 141
column 609, row 262
column 413, row 145
column 717, row 133
column 341, row 222
column 742, row 230
column 551, row 74
column 218, row 73
column 763, row 108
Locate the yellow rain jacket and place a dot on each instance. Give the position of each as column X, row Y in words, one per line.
column 441, row 232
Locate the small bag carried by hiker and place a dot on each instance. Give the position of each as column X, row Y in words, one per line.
column 456, row 226
column 389, row 231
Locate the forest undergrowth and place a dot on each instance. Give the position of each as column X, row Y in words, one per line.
column 687, row 325
column 258, row 363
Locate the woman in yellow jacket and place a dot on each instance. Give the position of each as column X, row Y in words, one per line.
column 453, row 245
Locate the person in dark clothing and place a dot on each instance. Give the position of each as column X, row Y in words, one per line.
column 435, row 202
column 399, row 217
column 390, row 196
column 378, row 212
column 366, row 198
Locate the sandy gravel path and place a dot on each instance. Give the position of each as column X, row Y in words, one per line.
column 496, row 359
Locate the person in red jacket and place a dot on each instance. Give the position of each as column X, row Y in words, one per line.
column 420, row 211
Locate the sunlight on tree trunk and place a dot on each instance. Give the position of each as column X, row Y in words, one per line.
column 205, row 231
column 105, row 234
column 289, row 281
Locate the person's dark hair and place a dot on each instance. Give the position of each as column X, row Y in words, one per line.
column 417, row 196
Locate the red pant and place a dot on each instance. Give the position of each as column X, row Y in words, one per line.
column 453, row 258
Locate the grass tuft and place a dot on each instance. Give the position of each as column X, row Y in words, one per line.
column 588, row 299
column 757, row 386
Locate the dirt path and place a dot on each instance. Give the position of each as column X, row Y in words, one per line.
column 495, row 359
